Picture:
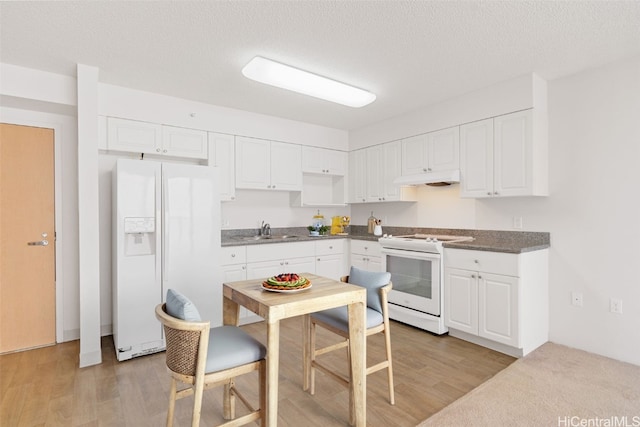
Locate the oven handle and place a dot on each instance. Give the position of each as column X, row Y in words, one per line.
column 410, row 254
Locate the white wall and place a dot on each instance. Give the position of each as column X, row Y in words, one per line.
column 592, row 212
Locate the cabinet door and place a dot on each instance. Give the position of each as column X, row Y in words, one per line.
column 300, row 265
column 253, row 159
column 374, row 263
column 375, row 175
column 498, row 308
column 133, row 136
column 262, row 270
column 391, row 169
column 461, row 300
column 336, row 162
column 476, row 159
column 360, row 261
column 513, row 155
column 358, row 176
column 286, row 169
column 329, row 266
column 234, row 273
column 443, row 149
column 414, row 155
column 222, row 157
column 182, row 142
column 313, row 160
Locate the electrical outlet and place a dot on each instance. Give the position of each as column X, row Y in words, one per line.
column 517, row 222
column 615, row 305
column 576, row 299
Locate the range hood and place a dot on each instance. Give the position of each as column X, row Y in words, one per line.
column 430, row 178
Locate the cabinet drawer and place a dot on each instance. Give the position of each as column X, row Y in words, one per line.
column 329, row 247
column 366, row 247
column 233, row 255
column 278, row 251
column 490, row 262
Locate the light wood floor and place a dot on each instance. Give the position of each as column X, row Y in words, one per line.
column 45, row 387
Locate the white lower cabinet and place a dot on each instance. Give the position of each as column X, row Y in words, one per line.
column 330, row 258
column 498, row 300
column 234, row 269
column 272, row 259
column 366, row 255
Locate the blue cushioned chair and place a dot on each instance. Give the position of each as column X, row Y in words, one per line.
column 204, row 357
column 378, row 285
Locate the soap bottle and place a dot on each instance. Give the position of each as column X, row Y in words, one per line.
column 371, row 223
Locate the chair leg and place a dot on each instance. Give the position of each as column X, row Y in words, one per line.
column 262, row 374
column 172, row 403
column 197, row 404
column 229, row 401
column 312, row 358
column 387, row 341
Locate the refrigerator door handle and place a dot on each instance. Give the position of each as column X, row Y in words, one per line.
column 163, row 193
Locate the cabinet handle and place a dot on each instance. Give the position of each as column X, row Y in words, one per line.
column 424, row 169
column 233, row 255
column 476, row 261
column 318, row 259
column 330, row 247
column 164, row 151
column 479, row 276
column 157, row 150
column 244, row 267
column 429, row 169
column 281, row 263
column 286, row 263
column 496, row 193
column 273, row 186
column 473, row 276
column 488, row 193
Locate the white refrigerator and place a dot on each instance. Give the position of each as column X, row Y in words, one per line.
column 166, row 234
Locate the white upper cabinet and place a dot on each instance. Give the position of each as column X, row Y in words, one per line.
column 182, row 142
column 151, row 138
column 222, row 151
column 431, row 152
column 268, row 165
column 133, row 136
column 357, row 176
column 323, row 161
column 504, row 156
column 372, row 172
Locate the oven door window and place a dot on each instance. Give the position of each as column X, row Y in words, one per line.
column 416, row 283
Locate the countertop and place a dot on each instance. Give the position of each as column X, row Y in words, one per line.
column 483, row 240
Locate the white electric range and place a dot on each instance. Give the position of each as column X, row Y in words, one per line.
column 416, row 267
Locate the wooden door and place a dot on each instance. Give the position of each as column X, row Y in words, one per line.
column 27, row 272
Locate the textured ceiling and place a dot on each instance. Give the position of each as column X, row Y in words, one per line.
column 410, row 53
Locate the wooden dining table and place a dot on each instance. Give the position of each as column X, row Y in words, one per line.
column 323, row 294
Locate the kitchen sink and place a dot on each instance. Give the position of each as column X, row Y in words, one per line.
column 275, row 237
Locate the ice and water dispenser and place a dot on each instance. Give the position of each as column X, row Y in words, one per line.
column 140, row 236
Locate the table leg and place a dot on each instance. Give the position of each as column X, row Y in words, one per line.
column 358, row 350
column 306, row 352
column 273, row 357
column 230, row 311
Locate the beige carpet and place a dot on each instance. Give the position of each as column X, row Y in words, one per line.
column 553, row 386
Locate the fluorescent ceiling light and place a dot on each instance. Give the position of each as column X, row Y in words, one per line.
column 284, row 76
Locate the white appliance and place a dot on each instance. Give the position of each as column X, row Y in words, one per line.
column 166, row 234
column 416, row 266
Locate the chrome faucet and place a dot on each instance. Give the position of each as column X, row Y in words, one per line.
column 265, row 229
